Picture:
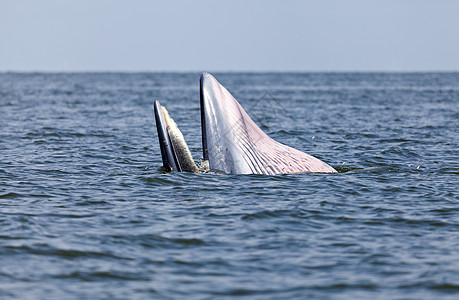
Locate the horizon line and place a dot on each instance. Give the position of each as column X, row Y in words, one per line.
column 229, row 71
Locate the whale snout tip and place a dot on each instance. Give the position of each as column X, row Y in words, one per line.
column 206, row 76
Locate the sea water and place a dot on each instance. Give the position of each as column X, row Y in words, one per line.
column 86, row 212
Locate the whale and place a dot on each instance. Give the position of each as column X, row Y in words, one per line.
column 231, row 141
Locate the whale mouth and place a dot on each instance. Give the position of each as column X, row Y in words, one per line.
column 174, row 151
column 231, row 141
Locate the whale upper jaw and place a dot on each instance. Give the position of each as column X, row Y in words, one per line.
column 233, row 143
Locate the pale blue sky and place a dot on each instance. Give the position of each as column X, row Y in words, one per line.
column 213, row 35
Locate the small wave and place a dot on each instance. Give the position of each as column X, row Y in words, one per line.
column 345, row 169
column 444, row 286
column 103, row 275
column 157, row 241
column 53, row 171
column 343, row 286
column 41, row 195
column 73, row 216
column 160, row 180
column 168, row 243
column 448, row 171
column 268, row 214
column 397, row 140
column 91, row 203
column 10, row 195
column 30, row 135
column 414, row 222
column 47, row 250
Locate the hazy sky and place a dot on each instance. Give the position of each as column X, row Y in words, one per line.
column 236, row 35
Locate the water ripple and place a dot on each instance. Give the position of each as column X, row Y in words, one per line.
column 86, row 209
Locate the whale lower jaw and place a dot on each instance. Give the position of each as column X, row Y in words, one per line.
column 232, row 142
column 174, row 150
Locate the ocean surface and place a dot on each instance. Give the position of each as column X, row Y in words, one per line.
column 86, row 211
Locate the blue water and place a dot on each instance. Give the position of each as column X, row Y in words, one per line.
column 87, row 213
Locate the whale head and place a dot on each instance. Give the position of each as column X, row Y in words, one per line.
column 231, row 141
